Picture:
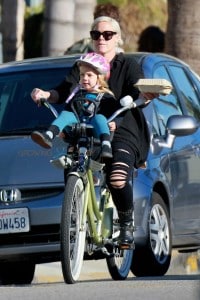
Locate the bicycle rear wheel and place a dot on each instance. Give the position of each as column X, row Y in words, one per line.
column 119, row 264
column 72, row 232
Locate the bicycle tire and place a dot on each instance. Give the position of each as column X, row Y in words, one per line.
column 119, row 263
column 72, row 235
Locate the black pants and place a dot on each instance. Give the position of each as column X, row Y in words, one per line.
column 119, row 180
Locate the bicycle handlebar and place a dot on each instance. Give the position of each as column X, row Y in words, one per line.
column 126, row 102
column 44, row 102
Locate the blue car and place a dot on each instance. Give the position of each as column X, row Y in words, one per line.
column 166, row 190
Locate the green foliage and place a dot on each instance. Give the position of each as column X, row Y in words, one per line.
column 121, row 3
column 33, row 32
column 136, row 15
column 114, row 2
column 32, row 10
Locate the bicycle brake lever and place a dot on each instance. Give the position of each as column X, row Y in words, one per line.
column 44, row 102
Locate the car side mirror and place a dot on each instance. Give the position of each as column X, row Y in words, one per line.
column 178, row 125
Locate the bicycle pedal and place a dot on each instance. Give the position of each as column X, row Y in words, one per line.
column 101, row 253
column 127, row 246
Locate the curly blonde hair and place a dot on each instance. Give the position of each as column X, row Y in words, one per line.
column 103, row 85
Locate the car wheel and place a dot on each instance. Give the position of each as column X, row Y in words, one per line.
column 16, row 272
column 154, row 258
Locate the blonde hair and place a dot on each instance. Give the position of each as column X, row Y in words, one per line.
column 103, row 85
column 113, row 22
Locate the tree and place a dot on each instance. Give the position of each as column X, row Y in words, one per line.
column 65, row 21
column 13, row 29
column 136, row 15
column 83, row 18
column 58, row 26
column 183, row 34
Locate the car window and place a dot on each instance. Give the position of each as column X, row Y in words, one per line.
column 188, row 92
column 17, row 109
column 164, row 106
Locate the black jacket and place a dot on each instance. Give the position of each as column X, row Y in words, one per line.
column 133, row 131
column 124, row 73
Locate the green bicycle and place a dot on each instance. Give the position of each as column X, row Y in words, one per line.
column 89, row 221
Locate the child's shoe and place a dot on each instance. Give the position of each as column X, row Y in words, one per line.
column 42, row 139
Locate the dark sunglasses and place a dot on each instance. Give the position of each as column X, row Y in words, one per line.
column 107, row 35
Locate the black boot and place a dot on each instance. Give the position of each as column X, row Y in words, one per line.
column 126, row 239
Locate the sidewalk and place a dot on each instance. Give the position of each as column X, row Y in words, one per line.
column 51, row 272
column 97, row 269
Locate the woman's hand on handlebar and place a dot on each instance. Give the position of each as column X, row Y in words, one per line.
column 38, row 94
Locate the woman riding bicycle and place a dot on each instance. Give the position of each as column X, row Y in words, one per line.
column 131, row 139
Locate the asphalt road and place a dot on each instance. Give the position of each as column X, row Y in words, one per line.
column 170, row 287
column 181, row 282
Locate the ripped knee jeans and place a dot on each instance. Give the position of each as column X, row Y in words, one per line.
column 119, row 179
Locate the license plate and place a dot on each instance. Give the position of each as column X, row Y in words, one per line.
column 14, row 220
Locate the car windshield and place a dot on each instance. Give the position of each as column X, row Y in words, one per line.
column 18, row 112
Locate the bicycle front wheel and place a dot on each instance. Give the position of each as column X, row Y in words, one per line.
column 72, row 231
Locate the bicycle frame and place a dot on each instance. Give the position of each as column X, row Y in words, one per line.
column 100, row 226
column 99, row 219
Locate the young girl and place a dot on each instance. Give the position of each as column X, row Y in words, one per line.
column 94, row 72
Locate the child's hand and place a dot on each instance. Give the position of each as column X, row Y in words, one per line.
column 112, row 126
